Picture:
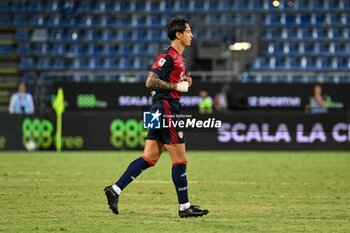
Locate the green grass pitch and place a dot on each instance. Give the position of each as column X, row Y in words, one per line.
column 244, row 192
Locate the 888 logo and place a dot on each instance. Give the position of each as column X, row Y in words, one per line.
column 40, row 131
column 127, row 134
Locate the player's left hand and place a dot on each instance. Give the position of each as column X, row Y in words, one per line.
column 188, row 79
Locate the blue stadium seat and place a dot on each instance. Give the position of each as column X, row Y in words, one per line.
column 289, row 19
column 86, row 21
column 335, row 4
column 125, row 21
column 213, row 5
column 139, row 64
column 26, row 63
column 35, row 6
column 84, row 7
column 126, row 49
column 59, row 64
column 89, row 35
column 184, row 5
column 155, row 6
column 95, row 63
column 41, row 49
column 37, row 20
column 156, row 20
column 280, row 63
column 340, row 48
column 291, row 48
column 311, row 63
column 101, row 6
column 115, row 49
column 272, row 19
column 68, row 7
column 68, row 21
column 28, row 77
column 128, row 63
column 102, row 21
column 5, row 20
column 302, row 4
column 322, row 48
column 319, row 19
column 141, row 20
column 258, row 4
column 338, row 33
column 289, row 33
column 343, row 63
column 107, row 63
column 141, row 35
column 275, row 48
column 73, row 50
column 125, row 6
column 54, row 21
column 24, row 49
column 54, row 6
column 306, row 33
column 18, row 7
column 4, row 6
column 305, row 19
column 80, row 63
column 347, row 19
column 143, row 49
column 116, row 63
column 56, row 35
column 154, row 34
column 74, row 35
column 293, row 63
column 43, row 63
column 20, row 20
column 107, row 35
column 244, row 5
column 262, row 63
column 324, row 63
column 94, row 50
column 58, row 49
column 198, row 5
column 169, row 5
column 336, row 18
column 126, row 35
column 140, row 6
column 6, row 49
column 22, row 35
column 320, row 33
column 308, row 48
column 320, row 4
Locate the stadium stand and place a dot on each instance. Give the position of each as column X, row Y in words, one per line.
column 296, row 41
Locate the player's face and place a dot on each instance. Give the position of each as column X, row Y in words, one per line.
column 186, row 36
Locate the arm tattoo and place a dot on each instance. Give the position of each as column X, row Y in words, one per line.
column 153, row 82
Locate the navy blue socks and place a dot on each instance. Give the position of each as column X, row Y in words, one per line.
column 180, row 182
column 134, row 169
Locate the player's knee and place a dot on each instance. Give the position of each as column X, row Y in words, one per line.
column 151, row 159
column 180, row 161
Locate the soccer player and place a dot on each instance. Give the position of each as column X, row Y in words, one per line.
column 167, row 80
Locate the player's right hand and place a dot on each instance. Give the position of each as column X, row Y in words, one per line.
column 188, row 79
column 182, row 86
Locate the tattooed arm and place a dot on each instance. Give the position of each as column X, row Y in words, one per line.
column 153, row 82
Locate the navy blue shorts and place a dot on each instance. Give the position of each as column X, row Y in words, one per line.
column 168, row 135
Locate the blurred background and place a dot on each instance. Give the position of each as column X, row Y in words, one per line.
column 277, row 73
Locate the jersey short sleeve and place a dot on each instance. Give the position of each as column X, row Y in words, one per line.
column 163, row 65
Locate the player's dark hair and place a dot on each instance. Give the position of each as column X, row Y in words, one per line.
column 176, row 24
